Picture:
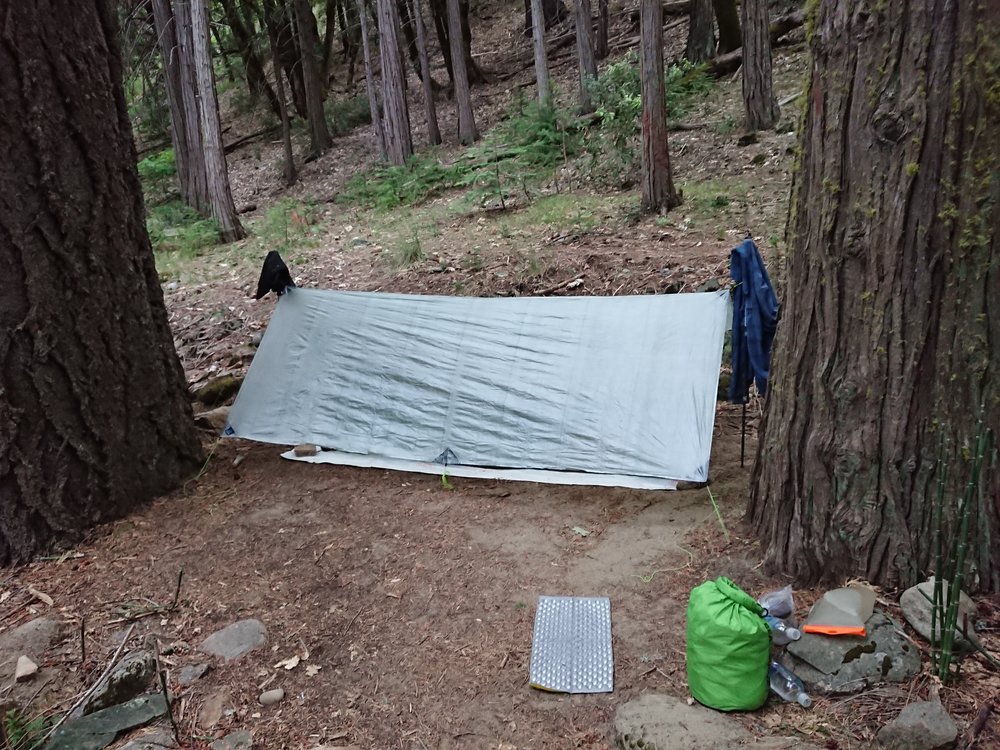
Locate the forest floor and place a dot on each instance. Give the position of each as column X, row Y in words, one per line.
column 409, row 604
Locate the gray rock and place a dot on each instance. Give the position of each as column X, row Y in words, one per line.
column 156, row 740
column 661, row 722
column 235, row 640
column 192, row 672
column 241, row 740
column 359, row 242
column 709, row 285
column 218, row 389
column 130, row 678
column 98, row 730
column 920, row 726
column 213, row 419
column 212, row 708
column 917, row 609
column 270, row 697
column 838, row 665
column 31, row 639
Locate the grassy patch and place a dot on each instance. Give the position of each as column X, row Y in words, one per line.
column 177, row 229
column 710, row 197
column 286, row 225
column 406, row 252
column 525, row 147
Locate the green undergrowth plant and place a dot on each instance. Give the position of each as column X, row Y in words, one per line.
column 158, row 175
column 288, row 224
column 177, row 229
column 616, row 93
column 23, row 733
column 347, row 114
column 953, row 524
column 524, row 148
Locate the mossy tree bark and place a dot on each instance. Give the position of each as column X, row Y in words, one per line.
column 890, row 331
column 398, row 139
column 94, row 415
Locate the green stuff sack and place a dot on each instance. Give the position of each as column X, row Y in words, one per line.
column 728, row 647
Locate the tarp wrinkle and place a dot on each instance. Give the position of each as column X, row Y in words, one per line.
column 617, row 386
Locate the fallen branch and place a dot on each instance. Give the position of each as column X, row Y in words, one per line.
column 90, row 691
column 731, row 61
column 561, row 285
column 247, row 138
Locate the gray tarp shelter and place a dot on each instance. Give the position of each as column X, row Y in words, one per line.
column 616, row 391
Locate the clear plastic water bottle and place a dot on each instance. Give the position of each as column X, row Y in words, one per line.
column 787, row 685
column 781, row 632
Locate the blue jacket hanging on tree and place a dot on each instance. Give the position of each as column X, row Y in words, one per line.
column 755, row 316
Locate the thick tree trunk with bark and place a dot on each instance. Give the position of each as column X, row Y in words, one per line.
column 658, row 193
column 442, row 24
column 433, row 132
column 602, row 49
column 701, row 32
column 308, row 43
column 173, row 78
column 398, row 140
column 373, row 101
column 728, row 19
column 585, row 53
column 94, row 415
column 467, row 132
column 759, row 103
column 252, row 64
column 889, row 334
column 554, row 11
column 220, row 196
column 541, row 61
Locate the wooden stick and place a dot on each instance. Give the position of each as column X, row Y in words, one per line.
column 560, row 285
column 90, row 691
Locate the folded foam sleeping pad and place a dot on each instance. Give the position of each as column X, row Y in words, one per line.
column 728, row 647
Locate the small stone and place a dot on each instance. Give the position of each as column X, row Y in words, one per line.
column 306, row 449
column 214, row 419
column 218, row 390
column 235, row 640
column 917, row 608
column 212, row 708
column 25, row 668
column 270, row 697
column 99, row 729
column 157, row 740
column 130, row 678
column 359, row 242
column 192, row 673
column 758, row 159
column 709, row 285
column 924, row 725
column 241, row 740
column 747, row 139
column 31, row 639
column 256, row 338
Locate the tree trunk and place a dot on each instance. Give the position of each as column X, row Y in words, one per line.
column 728, row 19
column 602, row 50
column 332, row 9
column 658, row 192
column 889, row 336
column 252, row 65
column 370, row 84
column 473, row 72
column 94, row 415
column 442, row 24
column 759, row 103
column 278, row 22
column 409, row 41
column 701, row 35
column 585, row 53
column 227, row 65
column 286, row 127
column 173, row 78
column 220, row 196
column 541, row 62
column 467, row 132
column 433, row 132
column 308, row 44
column 553, row 11
column 398, row 140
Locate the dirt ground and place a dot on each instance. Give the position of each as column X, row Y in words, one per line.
column 411, row 604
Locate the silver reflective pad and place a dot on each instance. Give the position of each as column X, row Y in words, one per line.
column 571, row 647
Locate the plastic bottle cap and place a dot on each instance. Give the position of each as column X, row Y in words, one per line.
column 793, row 633
column 804, row 700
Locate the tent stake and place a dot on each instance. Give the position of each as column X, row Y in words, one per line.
column 743, row 434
